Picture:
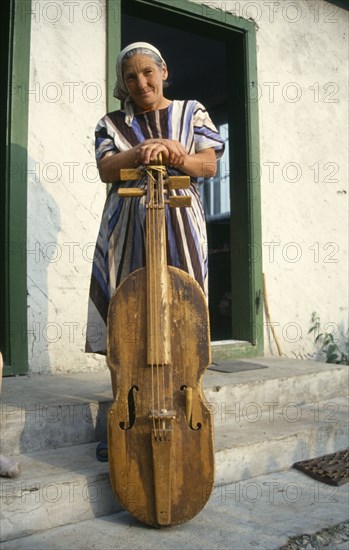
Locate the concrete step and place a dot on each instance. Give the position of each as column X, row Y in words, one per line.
column 280, row 384
column 46, row 412
column 254, row 446
column 261, row 513
column 55, row 487
column 67, row 485
column 42, row 412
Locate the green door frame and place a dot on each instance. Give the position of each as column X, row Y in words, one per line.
column 14, row 338
column 246, row 203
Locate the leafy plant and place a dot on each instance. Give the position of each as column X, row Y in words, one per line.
column 327, row 343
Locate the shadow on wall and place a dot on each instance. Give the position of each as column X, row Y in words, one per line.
column 43, row 226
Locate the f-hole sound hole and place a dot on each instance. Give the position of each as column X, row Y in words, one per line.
column 190, row 417
column 131, row 410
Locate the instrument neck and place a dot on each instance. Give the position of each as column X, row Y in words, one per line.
column 158, row 335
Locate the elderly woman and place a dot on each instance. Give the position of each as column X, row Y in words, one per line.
column 149, row 124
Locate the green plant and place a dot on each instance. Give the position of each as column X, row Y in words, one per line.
column 327, row 343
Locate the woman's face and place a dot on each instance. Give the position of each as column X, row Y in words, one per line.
column 144, row 82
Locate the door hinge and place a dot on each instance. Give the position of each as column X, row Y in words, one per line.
column 258, row 300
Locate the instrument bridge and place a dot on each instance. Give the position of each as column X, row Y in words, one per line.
column 163, row 414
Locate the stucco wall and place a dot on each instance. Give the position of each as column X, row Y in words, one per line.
column 303, row 71
column 302, row 56
column 65, row 196
column 303, row 75
column 305, row 206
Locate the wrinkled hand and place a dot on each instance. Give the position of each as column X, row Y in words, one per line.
column 173, row 152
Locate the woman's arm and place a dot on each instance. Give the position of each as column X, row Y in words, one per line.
column 110, row 165
column 201, row 164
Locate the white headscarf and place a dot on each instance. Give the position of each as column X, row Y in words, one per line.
column 120, row 90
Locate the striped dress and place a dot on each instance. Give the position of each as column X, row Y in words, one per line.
column 120, row 246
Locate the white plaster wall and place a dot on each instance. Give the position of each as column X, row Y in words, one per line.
column 302, row 57
column 305, row 203
column 65, row 197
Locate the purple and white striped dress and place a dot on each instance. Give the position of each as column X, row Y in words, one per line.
column 120, row 247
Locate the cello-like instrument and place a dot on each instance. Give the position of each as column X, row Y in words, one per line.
column 160, row 429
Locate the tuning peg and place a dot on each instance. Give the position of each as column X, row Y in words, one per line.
column 130, row 174
column 178, row 182
column 131, row 192
column 179, row 202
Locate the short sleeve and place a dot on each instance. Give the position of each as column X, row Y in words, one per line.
column 104, row 142
column 205, row 132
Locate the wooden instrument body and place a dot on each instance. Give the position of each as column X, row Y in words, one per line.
column 192, row 462
column 160, row 429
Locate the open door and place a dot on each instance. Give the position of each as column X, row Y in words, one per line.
column 211, row 57
column 196, row 65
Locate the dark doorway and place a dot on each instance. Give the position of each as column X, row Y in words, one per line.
column 197, row 66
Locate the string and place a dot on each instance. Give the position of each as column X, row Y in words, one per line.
column 161, row 214
column 156, row 167
column 161, row 175
column 153, row 295
column 161, row 171
column 156, row 223
column 156, row 343
column 150, row 301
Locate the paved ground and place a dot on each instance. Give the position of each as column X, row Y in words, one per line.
column 260, row 513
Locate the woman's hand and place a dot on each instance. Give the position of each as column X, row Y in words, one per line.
column 176, row 152
column 149, row 150
column 173, row 152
